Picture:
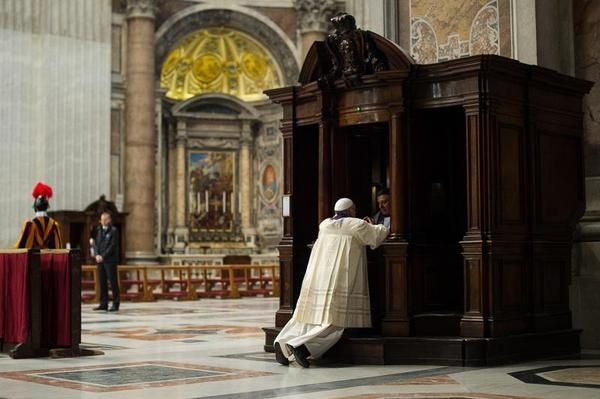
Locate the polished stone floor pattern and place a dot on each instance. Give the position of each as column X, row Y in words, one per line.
column 212, row 348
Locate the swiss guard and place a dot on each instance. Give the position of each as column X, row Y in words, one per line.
column 42, row 231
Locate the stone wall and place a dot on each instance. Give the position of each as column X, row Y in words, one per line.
column 55, row 105
column 585, row 295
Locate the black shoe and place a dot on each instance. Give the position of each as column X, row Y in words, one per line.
column 104, row 308
column 279, row 356
column 113, row 308
column 301, row 354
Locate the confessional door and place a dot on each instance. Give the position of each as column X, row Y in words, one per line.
column 305, row 199
column 366, row 152
column 437, row 219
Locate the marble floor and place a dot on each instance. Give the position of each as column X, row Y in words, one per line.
column 212, row 348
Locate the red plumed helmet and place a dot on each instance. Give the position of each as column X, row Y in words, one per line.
column 41, row 189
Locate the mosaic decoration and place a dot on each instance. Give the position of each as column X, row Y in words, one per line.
column 485, row 36
column 219, row 60
column 211, row 189
column 423, row 43
column 127, row 376
column 436, row 38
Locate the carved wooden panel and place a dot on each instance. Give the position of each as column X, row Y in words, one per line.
column 511, row 283
column 511, row 174
column 473, row 289
column 473, row 170
column 560, row 166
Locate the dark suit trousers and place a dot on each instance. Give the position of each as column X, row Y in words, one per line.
column 108, row 272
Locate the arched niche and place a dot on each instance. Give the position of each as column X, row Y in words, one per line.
column 236, row 134
column 216, row 103
column 240, row 18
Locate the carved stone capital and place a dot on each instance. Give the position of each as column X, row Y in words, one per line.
column 181, row 139
column 141, row 8
column 314, row 15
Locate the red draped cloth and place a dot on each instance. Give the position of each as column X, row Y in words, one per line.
column 15, row 306
column 14, row 296
column 56, row 298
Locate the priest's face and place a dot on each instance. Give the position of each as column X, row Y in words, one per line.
column 352, row 211
column 383, row 203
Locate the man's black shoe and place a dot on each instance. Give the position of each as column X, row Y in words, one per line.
column 104, row 308
column 113, row 309
column 279, row 356
column 301, row 354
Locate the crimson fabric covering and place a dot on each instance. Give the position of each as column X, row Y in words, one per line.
column 56, row 300
column 14, row 297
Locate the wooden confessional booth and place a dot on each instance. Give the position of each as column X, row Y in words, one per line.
column 483, row 159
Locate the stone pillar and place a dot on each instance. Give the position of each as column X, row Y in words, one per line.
column 314, row 18
column 172, row 179
column 181, row 230
column 585, row 295
column 245, row 180
column 140, row 138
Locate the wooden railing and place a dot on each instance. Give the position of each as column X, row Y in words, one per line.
column 186, row 282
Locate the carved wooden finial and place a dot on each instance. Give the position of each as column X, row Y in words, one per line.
column 353, row 52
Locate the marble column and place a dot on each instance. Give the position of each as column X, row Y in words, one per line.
column 245, row 180
column 140, row 138
column 172, row 184
column 181, row 230
column 314, row 16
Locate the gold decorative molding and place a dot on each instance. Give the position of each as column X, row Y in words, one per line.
column 219, row 60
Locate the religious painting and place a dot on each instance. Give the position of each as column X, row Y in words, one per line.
column 269, row 183
column 211, row 190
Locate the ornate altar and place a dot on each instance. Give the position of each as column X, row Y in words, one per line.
column 79, row 226
column 483, row 159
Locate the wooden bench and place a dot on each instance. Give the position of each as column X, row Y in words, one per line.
column 186, row 282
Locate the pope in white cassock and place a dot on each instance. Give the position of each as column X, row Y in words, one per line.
column 335, row 289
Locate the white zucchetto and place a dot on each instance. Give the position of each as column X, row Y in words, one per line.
column 343, row 204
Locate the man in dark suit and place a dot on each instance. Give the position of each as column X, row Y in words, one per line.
column 107, row 258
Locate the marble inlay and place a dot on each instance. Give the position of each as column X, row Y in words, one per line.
column 254, row 356
column 435, row 380
column 579, row 375
column 444, row 395
column 101, row 347
column 118, row 376
column 220, row 359
column 572, row 376
column 126, row 376
column 146, row 333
